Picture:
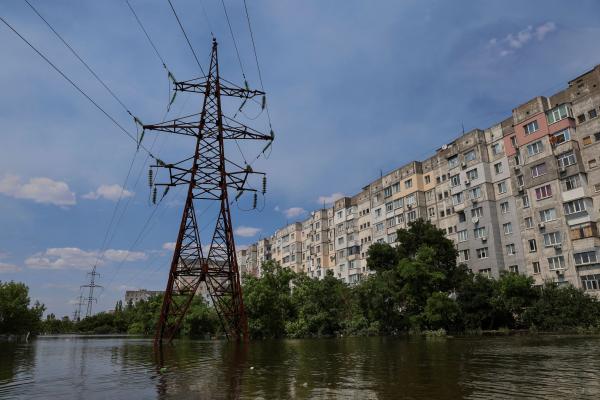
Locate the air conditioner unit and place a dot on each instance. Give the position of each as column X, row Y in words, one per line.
column 484, row 238
column 541, row 225
column 521, row 189
column 475, row 220
column 517, row 168
column 562, row 169
column 474, row 201
column 558, row 247
column 467, row 182
column 463, row 164
column 409, row 206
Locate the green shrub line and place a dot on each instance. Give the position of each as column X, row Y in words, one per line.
column 417, row 288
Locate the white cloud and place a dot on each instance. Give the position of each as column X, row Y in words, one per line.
column 330, row 199
column 294, row 212
column 8, row 268
column 169, row 246
column 73, row 257
column 246, row 231
column 40, row 190
column 108, row 192
column 515, row 41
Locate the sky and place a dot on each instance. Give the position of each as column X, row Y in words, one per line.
column 353, row 87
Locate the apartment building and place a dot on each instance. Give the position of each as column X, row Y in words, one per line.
column 522, row 196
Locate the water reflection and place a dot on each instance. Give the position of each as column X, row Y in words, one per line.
column 353, row 368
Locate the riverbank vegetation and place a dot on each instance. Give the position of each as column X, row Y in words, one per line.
column 417, row 287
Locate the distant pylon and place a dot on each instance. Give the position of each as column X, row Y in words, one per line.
column 91, row 286
column 78, row 305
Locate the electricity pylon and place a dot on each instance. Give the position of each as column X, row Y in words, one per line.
column 91, row 286
column 208, row 179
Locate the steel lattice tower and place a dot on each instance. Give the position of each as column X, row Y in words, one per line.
column 208, row 178
column 90, row 299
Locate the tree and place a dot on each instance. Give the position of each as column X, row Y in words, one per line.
column 268, row 301
column 381, row 257
column 442, row 312
column 515, row 294
column 16, row 317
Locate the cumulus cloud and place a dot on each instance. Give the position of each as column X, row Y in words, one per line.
column 41, row 190
column 294, row 212
column 75, row 258
column 169, row 246
column 108, row 192
column 330, row 199
column 246, row 231
column 5, row 268
column 514, row 41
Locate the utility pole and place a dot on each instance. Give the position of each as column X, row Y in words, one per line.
column 208, row 175
column 91, row 286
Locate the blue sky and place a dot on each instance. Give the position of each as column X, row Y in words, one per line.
column 354, row 87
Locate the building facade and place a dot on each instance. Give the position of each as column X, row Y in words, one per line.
column 520, row 196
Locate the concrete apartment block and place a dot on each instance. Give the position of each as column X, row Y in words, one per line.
column 520, row 196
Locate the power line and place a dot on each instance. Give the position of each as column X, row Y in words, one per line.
column 114, row 121
column 79, row 58
column 186, row 37
column 262, row 86
column 162, row 60
column 233, row 39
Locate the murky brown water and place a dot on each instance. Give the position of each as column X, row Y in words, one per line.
column 557, row 367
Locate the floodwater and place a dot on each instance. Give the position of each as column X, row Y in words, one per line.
column 531, row 367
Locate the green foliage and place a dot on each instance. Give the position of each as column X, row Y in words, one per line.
column 381, row 257
column 16, row 317
column 441, row 312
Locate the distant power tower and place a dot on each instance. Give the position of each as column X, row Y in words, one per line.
column 208, row 174
column 90, row 298
column 78, row 305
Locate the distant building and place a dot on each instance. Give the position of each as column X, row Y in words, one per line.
column 134, row 296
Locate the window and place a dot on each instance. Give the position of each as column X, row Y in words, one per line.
column 378, row 213
column 390, row 222
column 457, row 198
column 552, row 239
column 463, row 235
column 587, row 140
column 498, row 168
column 513, row 269
column 585, row 258
column 408, row 184
column 472, row 174
column 396, row 187
column 502, row 188
column 496, row 149
column 517, row 159
column 592, row 163
column 572, row 182
column 532, row 246
column 427, row 179
column 339, row 214
column 597, row 136
column 475, row 192
column 455, row 180
column 507, row 228
column 389, row 207
column 482, row 253
column 528, row 222
column 575, row 206
column 597, row 188
column 590, row 282
column 560, row 137
column 429, row 195
column 520, row 181
column 470, row 155
column 431, row 212
column 581, row 118
column 525, row 200
column 555, row 263
column 535, row 148
column 411, row 216
column 585, row 230
column 452, row 161
column 486, row 272
column 379, row 227
column 536, row 267
column 538, row 170
column 556, row 114
column 513, row 141
column 504, row 207
column 510, row 249
column 548, row 215
column 531, row 127
column 477, row 212
column 411, row 199
column 479, row 233
column 566, row 159
column 463, row 255
column 592, row 114
column 398, row 203
column 387, row 192
column 543, row 192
